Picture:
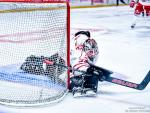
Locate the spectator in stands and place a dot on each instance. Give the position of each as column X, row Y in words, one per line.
column 117, row 2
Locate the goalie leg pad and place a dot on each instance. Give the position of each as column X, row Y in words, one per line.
column 35, row 65
column 91, row 82
column 76, row 81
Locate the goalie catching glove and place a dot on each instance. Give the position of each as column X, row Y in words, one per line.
column 35, row 65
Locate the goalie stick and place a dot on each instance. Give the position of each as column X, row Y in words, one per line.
column 122, row 82
column 106, row 76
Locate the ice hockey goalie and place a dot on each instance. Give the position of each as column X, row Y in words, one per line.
column 84, row 50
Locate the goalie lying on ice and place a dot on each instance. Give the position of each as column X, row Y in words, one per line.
column 84, row 50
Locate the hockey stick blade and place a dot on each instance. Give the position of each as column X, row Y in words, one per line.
column 136, row 86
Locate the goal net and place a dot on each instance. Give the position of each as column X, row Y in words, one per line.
column 30, row 32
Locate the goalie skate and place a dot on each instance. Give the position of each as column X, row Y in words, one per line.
column 83, row 92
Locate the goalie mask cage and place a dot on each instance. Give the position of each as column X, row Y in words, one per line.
column 33, row 28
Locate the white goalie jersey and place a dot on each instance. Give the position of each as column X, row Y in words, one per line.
column 83, row 50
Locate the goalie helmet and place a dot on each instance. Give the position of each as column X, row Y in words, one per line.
column 80, row 38
column 91, row 49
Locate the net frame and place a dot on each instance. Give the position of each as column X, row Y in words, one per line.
column 10, row 102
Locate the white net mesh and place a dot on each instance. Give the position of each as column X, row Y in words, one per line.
column 29, row 33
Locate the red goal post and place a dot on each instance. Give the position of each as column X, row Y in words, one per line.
column 38, row 28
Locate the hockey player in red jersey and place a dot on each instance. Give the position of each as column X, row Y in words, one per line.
column 84, row 50
column 142, row 8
